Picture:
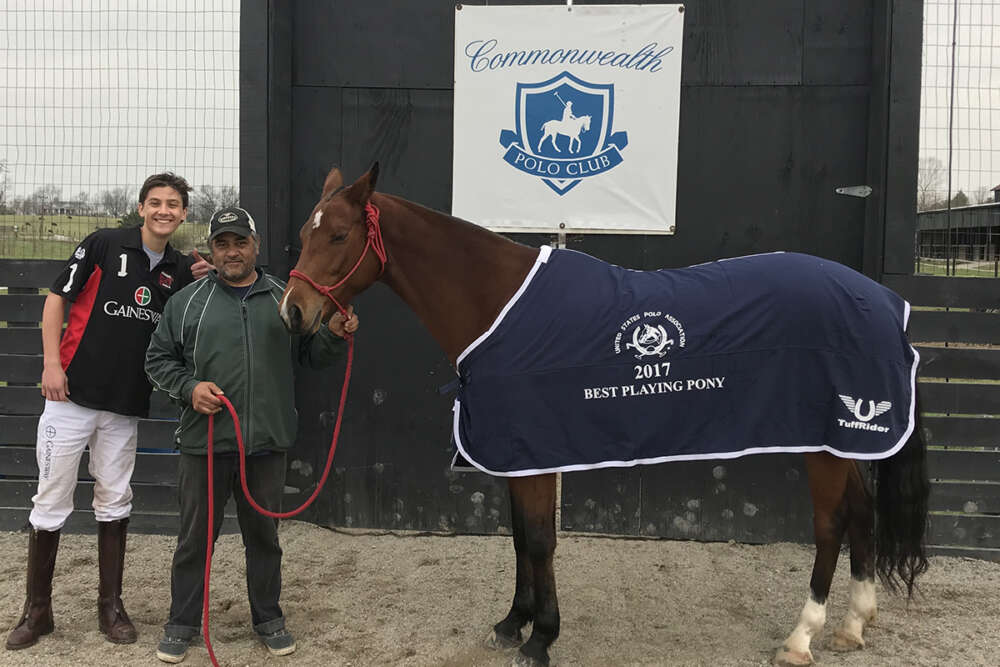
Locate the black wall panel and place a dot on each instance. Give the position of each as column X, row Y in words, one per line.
column 776, row 113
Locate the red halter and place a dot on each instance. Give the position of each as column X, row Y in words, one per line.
column 374, row 242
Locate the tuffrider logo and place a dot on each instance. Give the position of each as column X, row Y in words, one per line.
column 863, row 413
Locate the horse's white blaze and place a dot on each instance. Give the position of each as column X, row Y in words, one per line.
column 317, row 218
column 861, row 608
column 811, row 622
column 284, row 304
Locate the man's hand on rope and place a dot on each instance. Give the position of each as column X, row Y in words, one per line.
column 340, row 327
column 203, row 398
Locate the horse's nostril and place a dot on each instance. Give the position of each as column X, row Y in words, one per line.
column 295, row 317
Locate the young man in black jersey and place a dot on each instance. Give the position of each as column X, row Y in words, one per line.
column 117, row 283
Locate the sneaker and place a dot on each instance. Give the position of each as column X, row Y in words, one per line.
column 279, row 642
column 172, row 649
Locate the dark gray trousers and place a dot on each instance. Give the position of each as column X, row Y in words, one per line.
column 266, row 481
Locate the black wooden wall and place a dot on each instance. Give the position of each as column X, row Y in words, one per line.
column 782, row 101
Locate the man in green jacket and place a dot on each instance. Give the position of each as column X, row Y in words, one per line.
column 223, row 335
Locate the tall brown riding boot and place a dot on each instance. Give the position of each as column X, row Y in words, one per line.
column 37, row 617
column 111, row 616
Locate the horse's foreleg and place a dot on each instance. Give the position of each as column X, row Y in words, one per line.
column 534, row 498
column 862, row 606
column 507, row 633
column 827, row 484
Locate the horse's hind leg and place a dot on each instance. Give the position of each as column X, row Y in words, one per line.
column 507, row 633
column 827, row 484
column 532, row 504
column 861, row 607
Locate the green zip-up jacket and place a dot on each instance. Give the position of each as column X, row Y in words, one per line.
column 208, row 334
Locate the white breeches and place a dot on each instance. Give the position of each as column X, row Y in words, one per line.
column 64, row 431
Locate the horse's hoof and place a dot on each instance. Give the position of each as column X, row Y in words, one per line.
column 786, row 658
column 843, row 641
column 500, row 642
column 522, row 660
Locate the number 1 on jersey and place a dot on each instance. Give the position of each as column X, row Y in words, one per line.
column 122, row 272
column 72, row 272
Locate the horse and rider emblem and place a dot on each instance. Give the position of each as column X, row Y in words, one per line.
column 563, row 131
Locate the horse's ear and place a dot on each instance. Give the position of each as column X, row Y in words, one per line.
column 362, row 189
column 333, row 181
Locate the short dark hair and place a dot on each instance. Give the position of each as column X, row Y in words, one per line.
column 166, row 179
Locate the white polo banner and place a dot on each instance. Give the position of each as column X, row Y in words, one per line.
column 566, row 118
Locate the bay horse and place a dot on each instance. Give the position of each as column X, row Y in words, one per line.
column 457, row 278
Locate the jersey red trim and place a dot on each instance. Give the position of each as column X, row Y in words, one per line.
column 79, row 315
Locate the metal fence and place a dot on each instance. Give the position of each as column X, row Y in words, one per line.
column 99, row 95
column 959, row 168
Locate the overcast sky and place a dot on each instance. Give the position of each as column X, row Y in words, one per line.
column 101, row 93
column 976, row 122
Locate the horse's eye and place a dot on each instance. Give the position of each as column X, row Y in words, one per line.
column 337, row 238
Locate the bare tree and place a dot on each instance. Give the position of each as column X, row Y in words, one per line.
column 4, row 170
column 983, row 195
column 210, row 198
column 930, row 183
column 117, row 202
column 43, row 199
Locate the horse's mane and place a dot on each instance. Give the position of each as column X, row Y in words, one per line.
column 440, row 219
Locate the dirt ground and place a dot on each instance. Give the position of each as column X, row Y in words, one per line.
column 364, row 599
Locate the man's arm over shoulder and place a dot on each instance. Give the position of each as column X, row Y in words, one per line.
column 165, row 359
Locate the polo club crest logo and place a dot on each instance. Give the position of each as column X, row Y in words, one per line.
column 80, row 252
column 650, row 334
column 563, row 131
column 142, row 296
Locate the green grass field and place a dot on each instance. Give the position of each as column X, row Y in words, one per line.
column 960, row 269
column 55, row 236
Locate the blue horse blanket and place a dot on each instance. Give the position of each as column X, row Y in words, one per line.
column 591, row 365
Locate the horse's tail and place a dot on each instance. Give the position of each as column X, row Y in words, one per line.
column 901, row 491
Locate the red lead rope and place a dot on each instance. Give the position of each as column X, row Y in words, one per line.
column 246, row 491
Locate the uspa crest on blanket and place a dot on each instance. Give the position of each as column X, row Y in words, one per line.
column 568, row 363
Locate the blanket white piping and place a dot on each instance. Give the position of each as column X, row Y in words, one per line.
column 543, row 256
